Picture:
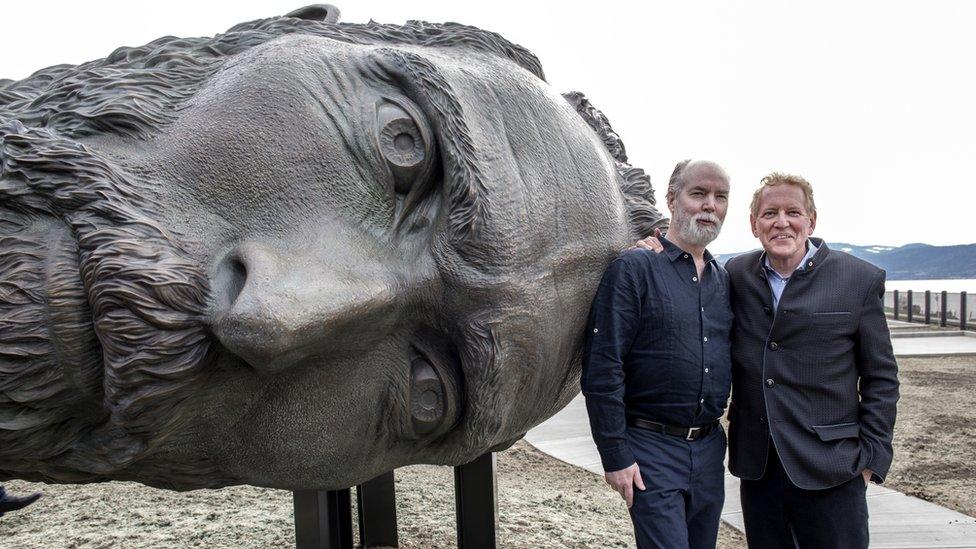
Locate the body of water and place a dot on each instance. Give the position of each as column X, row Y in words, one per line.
column 953, row 285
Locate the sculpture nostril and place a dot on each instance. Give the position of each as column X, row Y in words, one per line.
column 229, row 280
column 317, row 12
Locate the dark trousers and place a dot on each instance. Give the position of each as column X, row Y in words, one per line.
column 779, row 515
column 685, row 489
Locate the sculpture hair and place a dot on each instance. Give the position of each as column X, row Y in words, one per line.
column 635, row 185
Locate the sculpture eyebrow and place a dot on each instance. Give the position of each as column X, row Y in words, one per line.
column 467, row 193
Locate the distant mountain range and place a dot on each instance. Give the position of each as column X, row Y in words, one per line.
column 911, row 261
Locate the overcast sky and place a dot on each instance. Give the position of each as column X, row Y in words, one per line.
column 872, row 102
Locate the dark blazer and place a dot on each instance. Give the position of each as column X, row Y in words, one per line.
column 817, row 375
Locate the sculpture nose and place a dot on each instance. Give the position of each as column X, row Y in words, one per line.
column 277, row 307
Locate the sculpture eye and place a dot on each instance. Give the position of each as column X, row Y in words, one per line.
column 407, row 144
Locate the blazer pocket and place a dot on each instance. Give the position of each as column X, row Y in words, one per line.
column 830, row 320
column 837, row 431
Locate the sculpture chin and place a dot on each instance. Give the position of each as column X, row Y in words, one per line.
column 72, row 332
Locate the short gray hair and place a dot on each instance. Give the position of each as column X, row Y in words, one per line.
column 682, row 169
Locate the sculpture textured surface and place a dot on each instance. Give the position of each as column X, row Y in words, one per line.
column 297, row 254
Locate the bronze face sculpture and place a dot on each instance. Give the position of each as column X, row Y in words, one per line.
column 297, row 254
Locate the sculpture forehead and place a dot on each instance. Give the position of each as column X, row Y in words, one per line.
column 281, row 131
column 288, row 128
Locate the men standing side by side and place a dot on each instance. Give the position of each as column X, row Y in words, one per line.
column 814, row 379
column 656, row 370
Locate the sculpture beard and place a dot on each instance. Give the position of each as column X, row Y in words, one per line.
column 68, row 399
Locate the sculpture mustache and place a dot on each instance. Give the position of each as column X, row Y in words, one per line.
column 147, row 301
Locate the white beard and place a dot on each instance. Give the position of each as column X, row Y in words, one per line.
column 695, row 234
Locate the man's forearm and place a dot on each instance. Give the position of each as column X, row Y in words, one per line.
column 613, row 325
column 878, row 386
column 608, row 423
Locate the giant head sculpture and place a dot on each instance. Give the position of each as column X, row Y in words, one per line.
column 297, row 254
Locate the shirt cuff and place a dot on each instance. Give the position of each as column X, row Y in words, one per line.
column 616, row 458
column 878, row 463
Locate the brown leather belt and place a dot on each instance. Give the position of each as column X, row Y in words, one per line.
column 687, row 433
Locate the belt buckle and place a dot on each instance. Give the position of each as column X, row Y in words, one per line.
column 692, row 431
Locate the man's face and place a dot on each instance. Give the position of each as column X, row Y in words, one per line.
column 698, row 209
column 783, row 224
column 382, row 232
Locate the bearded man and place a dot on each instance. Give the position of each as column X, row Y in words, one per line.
column 657, row 367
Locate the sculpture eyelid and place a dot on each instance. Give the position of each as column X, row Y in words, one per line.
column 408, row 145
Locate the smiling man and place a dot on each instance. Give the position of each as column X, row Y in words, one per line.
column 814, row 379
column 656, row 369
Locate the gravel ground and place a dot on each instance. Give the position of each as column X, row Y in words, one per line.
column 542, row 503
column 935, row 435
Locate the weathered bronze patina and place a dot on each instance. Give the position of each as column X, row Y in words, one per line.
column 297, row 254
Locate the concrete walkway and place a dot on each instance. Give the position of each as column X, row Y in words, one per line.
column 926, row 343
column 897, row 520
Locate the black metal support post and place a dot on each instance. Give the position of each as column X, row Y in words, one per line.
column 896, row 304
column 323, row 519
column 962, row 311
column 376, row 501
column 943, row 322
column 909, row 303
column 476, row 503
column 928, row 306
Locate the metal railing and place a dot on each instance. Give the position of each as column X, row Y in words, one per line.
column 957, row 309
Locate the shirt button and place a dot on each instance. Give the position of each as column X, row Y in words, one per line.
column 686, row 256
column 706, row 370
column 702, row 401
column 703, row 309
column 706, row 339
column 694, row 279
column 810, row 264
column 596, row 330
column 770, row 383
column 773, row 345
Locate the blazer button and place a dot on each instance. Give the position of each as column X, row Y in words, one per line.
column 767, row 310
column 762, row 420
column 773, row 345
column 770, row 383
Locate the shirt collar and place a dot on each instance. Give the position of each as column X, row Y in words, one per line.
column 674, row 252
column 811, row 251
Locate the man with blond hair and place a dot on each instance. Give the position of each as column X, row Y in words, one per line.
column 814, row 379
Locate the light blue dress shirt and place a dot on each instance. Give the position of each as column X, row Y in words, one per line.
column 777, row 283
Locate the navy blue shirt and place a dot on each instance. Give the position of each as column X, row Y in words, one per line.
column 657, row 347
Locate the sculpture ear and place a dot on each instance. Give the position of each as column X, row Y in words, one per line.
column 327, row 13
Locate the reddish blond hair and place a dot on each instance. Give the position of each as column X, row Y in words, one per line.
column 779, row 178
